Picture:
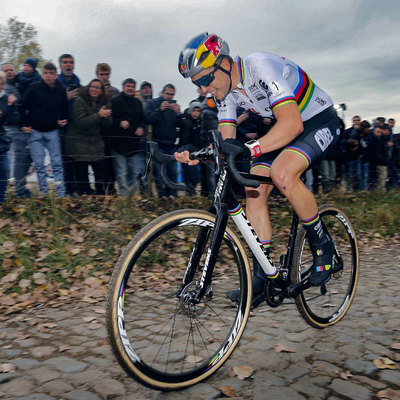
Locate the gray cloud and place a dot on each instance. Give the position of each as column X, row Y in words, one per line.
column 349, row 48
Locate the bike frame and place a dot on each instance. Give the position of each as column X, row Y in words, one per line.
column 226, row 204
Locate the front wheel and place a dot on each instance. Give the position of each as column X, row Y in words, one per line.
column 327, row 305
column 158, row 335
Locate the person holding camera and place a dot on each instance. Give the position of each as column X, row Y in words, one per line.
column 164, row 114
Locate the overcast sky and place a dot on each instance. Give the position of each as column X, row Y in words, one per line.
column 350, row 48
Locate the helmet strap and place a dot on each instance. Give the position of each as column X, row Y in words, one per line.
column 217, row 66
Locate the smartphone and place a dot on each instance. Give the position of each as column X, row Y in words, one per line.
column 171, row 101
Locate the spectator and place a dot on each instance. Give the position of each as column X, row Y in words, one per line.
column 103, row 72
column 349, row 146
column 125, row 133
column 44, row 109
column 71, row 83
column 191, row 140
column 19, row 147
column 146, row 94
column 163, row 113
column 28, row 74
column 209, row 121
column 4, row 139
column 84, row 142
column 393, row 170
column 380, row 157
column 364, row 154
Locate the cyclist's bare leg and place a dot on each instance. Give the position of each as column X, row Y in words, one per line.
column 286, row 171
column 257, row 206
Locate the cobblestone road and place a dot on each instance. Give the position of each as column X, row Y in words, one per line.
column 62, row 352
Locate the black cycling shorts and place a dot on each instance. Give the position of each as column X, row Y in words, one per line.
column 320, row 134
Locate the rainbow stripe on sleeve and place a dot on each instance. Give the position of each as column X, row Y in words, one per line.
column 304, row 90
column 282, row 102
column 227, row 122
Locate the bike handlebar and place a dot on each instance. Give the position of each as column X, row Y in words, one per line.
column 229, row 150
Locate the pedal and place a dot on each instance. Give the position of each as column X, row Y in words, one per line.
column 274, row 295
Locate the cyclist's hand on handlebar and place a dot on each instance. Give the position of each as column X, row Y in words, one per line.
column 183, row 153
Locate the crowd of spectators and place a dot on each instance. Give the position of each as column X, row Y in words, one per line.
column 101, row 131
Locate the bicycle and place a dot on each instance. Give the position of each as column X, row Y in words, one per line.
column 169, row 320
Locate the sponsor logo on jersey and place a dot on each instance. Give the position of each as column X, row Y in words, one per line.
column 320, row 101
column 263, row 85
column 256, row 92
column 324, row 138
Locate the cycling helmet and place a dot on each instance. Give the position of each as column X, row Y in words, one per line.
column 201, row 53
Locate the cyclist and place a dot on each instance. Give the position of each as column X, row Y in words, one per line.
column 306, row 127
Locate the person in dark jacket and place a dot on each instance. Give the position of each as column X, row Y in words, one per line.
column 163, row 113
column 124, row 136
column 44, row 109
column 20, row 157
column 4, row 139
column 84, row 141
column 364, row 154
column 191, row 139
column 71, row 83
column 380, row 157
column 28, row 74
column 209, row 121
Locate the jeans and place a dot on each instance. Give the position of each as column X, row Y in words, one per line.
column 191, row 178
column 38, row 142
column 362, row 174
column 327, row 170
column 162, row 189
column 3, row 175
column 350, row 171
column 127, row 170
column 22, row 159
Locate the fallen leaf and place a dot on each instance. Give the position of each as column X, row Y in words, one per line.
column 63, row 348
column 395, row 346
column 228, row 391
column 384, row 362
column 48, row 325
column 9, row 278
column 388, row 394
column 345, row 375
column 243, row 371
column 5, row 368
column 281, row 348
column 89, row 319
column 24, row 283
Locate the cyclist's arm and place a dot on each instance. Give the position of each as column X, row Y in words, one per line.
column 288, row 125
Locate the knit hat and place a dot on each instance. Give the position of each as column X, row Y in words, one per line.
column 194, row 104
column 33, row 62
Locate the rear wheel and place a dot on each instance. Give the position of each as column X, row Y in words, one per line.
column 327, row 305
column 159, row 337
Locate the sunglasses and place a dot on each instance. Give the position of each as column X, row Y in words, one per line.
column 206, row 79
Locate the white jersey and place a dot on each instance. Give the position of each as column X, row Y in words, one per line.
column 270, row 82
